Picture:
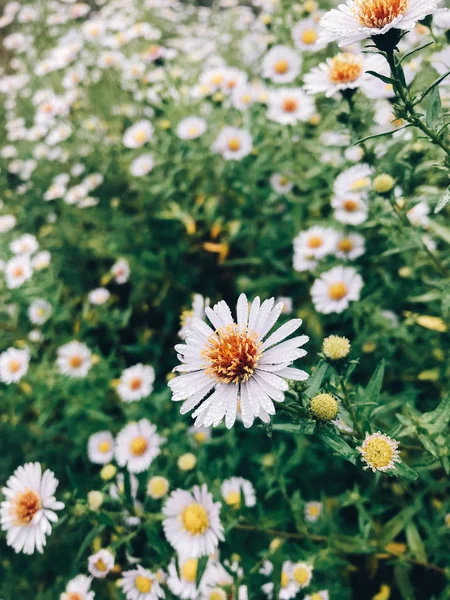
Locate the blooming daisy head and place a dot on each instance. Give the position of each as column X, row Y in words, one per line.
column 100, row 563
column 99, row 296
column 313, row 510
column 335, row 289
column 142, row 165
column 25, row 244
column 191, row 128
column 379, row 452
column 355, row 180
column 13, row 365
column 137, row 444
column 235, row 360
column 316, row 242
column 39, row 311
column 281, row 64
column 349, row 246
column 157, row 487
column 141, row 584
column 236, row 489
column 121, row 271
column 350, row 209
column 233, row 143
column 74, row 359
column 192, row 522
column 136, row 383
column 17, row 271
column 357, row 20
column 29, row 508
column 78, row 588
column 287, row 106
column 281, row 184
column 302, row 574
column 138, row 134
column 305, row 34
column 101, row 447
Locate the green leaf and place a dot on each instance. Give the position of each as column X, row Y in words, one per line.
column 307, row 427
column 382, row 77
column 201, row 566
column 431, row 87
column 414, row 50
column 402, row 470
column 88, row 541
column 339, row 445
column 415, row 542
column 401, row 573
column 442, row 202
column 433, row 115
column 397, row 524
column 378, row 135
column 316, row 380
column 374, row 386
column 440, row 230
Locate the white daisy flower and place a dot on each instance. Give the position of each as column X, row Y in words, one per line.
column 215, row 578
column 305, row 34
column 41, row 260
column 29, row 508
column 355, row 180
column 17, row 271
column 343, row 72
column 157, row 487
column 280, row 183
column 121, row 271
column 25, row 244
column 288, row 586
column 233, row 143
column 99, row 296
column 200, row 434
column 100, row 563
column 233, row 361
column 198, row 310
column 39, row 311
column 335, row 289
column 142, row 165
column 136, row 383
column 13, row 365
column 182, row 582
column 379, row 452
column 289, row 105
column 350, row 209
column 302, row 574
column 141, row 584
column 74, row 359
column 78, row 588
column 303, row 263
column 316, row 242
column 137, row 444
column 281, row 64
column 322, row 595
column 349, row 246
column 418, row 214
column 192, row 523
column 357, row 20
column 236, row 488
column 7, row 222
column 138, row 134
column 313, row 510
column 191, row 128
column 101, row 447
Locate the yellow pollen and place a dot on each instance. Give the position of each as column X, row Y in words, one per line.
column 309, row 36
column 345, row 245
column 234, row 144
column 378, row 452
column 314, row 510
column 337, row 291
column 316, row 597
column 217, row 79
column 100, row 565
column 26, row 505
column 301, row 575
column 192, row 131
column 217, row 594
column 246, row 98
column 281, row 67
column 195, row 519
column 350, row 205
column 143, row 584
column 40, row 311
column 379, row 13
column 14, row 365
column 18, row 272
column 232, row 356
column 189, row 570
column 345, row 68
column 234, row 499
column 140, row 136
column 104, row 447
column 289, row 105
column 138, row 446
column 315, row 241
column 284, row 579
column 75, row 361
column 200, row 437
column 284, row 181
column 135, row 383
column 360, row 184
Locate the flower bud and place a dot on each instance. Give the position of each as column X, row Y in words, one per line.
column 324, row 407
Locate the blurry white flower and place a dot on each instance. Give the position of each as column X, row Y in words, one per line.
column 141, row 584
column 136, row 383
column 280, row 183
column 313, row 510
column 233, row 143
column 121, row 271
column 335, row 289
column 101, row 447
column 236, row 488
column 142, row 165
column 289, row 105
column 100, row 563
column 349, row 246
column 350, row 209
column 138, row 134
column 7, row 222
column 137, row 444
column 281, row 64
column 191, row 128
column 13, row 365
column 39, row 311
column 418, row 214
column 78, row 588
column 24, row 245
column 17, row 271
column 41, row 260
column 99, row 296
column 74, row 359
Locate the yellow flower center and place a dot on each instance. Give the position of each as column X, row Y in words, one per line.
column 378, row 452
column 234, row 499
column 217, row 594
column 379, row 13
column 143, row 584
column 140, row 136
column 192, row 131
column 309, row 36
column 281, row 67
column 104, row 447
column 14, row 365
column 316, row 597
column 345, row 68
column 314, row 510
column 195, row 519
column 360, row 183
column 234, row 144
column 189, row 570
column 315, row 241
column 27, row 504
column 337, row 291
column 284, row 181
column 200, row 437
column 246, row 98
column 217, row 79
column 17, row 272
column 135, row 383
column 100, row 565
column 72, row 596
column 232, row 355
column 301, row 575
column 289, row 105
column 138, row 446
column 350, row 205
column 75, row 361
column 284, row 579
column 345, row 245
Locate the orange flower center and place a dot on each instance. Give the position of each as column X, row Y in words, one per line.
column 281, row 67
column 378, row 13
column 345, row 68
column 290, row 105
column 135, row 383
column 232, row 355
column 350, row 205
column 27, row 504
column 337, row 291
column 73, row 596
column 345, row 245
column 14, row 365
column 234, row 144
column 309, row 36
column 18, row 271
column 315, row 241
column 138, row 446
column 75, row 361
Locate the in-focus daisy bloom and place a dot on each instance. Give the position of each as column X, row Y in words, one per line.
column 136, row 383
column 78, row 588
column 100, row 563
column 17, row 271
column 39, row 311
column 138, row 134
column 191, row 128
column 141, row 584
column 157, row 487
column 29, row 508
column 137, row 444
column 287, row 106
column 360, row 19
column 324, row 407
column 192, row 523
column 234, row 360
column 99, row 296
column 233, row 143
column 281, row 64
column 101, row 447
column 74, row 359
column 379, row 452
column 335, row 289
column 236, row 488
column 335, row 347
column 302, row 574
column 322, row 595
column 313, row 510
column 13, row 365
